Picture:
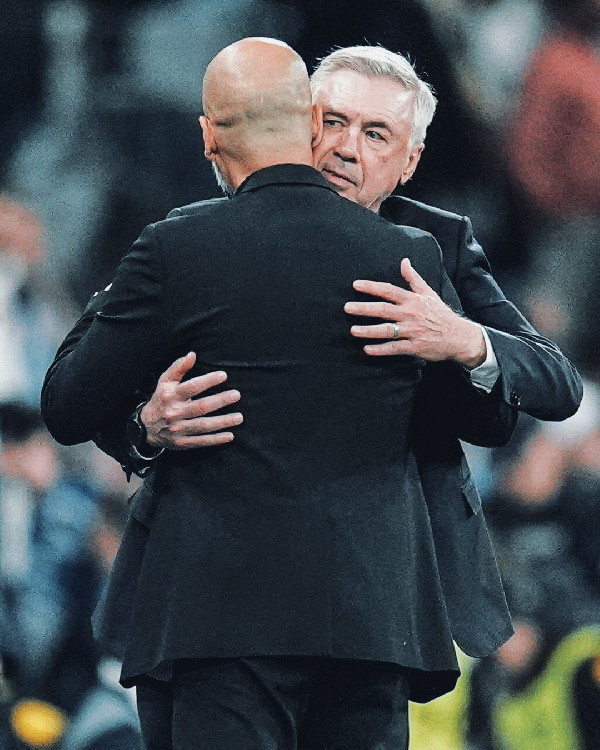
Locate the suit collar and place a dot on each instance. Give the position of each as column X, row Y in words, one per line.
column 284, row 174
column 392, row 204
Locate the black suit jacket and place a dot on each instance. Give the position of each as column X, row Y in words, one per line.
column 309, row 534
column 536, row 377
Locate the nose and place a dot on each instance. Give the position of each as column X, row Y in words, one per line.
column 347, row 146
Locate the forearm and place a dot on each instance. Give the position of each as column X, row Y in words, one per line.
column 537, row 377
column 105, row 362
column 83, row 391
column 50, row 398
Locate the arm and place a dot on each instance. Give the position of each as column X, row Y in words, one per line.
column 111, row 441
column 168, row 413
column 171, row 417
column 427, row 326
column 447, row 400
column 94, row 380
column 535, row 376
column 175, row 417
column 110, row 355
column 179, row 401
column 431, row 329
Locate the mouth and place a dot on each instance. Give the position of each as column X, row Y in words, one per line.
column 336, row 178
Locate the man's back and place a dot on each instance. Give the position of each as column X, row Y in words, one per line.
column 257, row 286
column 309, row 533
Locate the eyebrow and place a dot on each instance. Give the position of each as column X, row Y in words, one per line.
column 333, row 113
column 345, row 118
column 378, row 124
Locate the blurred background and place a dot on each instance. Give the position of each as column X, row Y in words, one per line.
column 99, row 136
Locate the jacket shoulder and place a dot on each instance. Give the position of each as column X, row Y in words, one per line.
column 410, row 231
column 396, row 207
column 195, row 208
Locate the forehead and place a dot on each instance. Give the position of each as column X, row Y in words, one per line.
column 359, row 97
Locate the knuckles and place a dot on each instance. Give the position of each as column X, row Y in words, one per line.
column 170, row 414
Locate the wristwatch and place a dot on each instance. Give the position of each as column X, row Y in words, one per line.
column 139, row 449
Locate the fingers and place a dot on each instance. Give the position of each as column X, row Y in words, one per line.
column 385, row 310
column 201, row 432
column 393, row 293
column 178, row 369
column 390, row 348
column 206, row 425
column 381, row 331
column 195, row 386
column 382, row 289
column 209, row 404
column 416, row 282
column 202, row 441
column 407, row 270
column 193, row 410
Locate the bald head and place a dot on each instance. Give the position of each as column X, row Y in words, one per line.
column 257, row 102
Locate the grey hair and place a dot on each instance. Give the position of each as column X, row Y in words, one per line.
column 221, row 182
column 379, row 62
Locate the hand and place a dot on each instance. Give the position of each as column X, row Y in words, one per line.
column 426, row 326
column 175, row 419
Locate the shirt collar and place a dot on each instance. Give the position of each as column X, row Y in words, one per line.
column 284, row 174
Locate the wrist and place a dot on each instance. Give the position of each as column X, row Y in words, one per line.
column 139, row 446
column 149, row 438
column 473, row 349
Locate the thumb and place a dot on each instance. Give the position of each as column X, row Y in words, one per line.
column 178, row 369
column 416, row 282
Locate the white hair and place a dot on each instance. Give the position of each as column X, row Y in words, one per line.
column 378, row 62
column 222, row 182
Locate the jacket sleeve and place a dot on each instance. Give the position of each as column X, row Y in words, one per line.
column 447, row 398
column 111, row 353
column 537, row 378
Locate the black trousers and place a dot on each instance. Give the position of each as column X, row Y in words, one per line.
column 276, row 703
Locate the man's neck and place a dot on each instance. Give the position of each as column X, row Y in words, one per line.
column 241, row 170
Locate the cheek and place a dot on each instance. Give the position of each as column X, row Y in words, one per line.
column 325, row 147
column 387, row 173
column 375, row 169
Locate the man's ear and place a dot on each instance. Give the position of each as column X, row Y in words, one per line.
column 208, row 134
column 413, row 160
column 317, row 125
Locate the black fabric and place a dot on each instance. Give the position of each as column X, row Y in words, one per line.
column 472, row 590
column 537, row 378
column 154, row 700
column 281, row 703
column 471, row 585
column 308, row 535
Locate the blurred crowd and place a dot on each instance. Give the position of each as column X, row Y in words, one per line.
column 98, row 137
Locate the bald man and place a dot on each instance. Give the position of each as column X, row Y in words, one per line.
column 288, row 594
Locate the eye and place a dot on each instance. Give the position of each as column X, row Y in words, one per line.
column 331, row 122
column 375, row 135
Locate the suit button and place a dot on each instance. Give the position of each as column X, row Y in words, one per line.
column 515, row 399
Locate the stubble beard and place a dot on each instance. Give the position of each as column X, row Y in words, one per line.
column 227, row 189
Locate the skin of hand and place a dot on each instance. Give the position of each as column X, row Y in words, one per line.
column 176, row 418
column 428, row 327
